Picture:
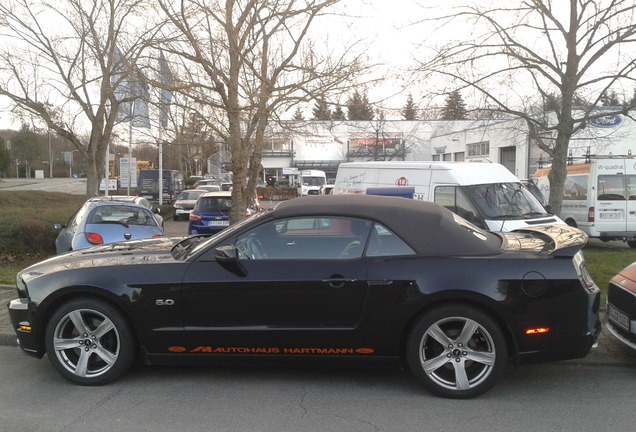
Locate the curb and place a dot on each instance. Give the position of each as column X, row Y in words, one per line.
column 8, row 340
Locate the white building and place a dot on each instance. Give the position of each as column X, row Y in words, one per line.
column 324, row 145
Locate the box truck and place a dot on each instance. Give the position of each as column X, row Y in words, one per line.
column 599, row 197
column 486, row 194
column 148, row 185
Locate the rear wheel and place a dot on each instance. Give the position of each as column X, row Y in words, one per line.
column 457, row 351
column 631, row 244
column 89, row 342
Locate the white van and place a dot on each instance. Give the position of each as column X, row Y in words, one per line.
column 311, row 182
column 486, row 194
column 599, row 197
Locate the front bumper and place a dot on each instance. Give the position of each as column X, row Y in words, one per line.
column 20, row 316
column 620, row 319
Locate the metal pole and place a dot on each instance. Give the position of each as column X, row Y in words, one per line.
column 161, row 166
column 107, row 171
column 132, row 113
column 50, row 156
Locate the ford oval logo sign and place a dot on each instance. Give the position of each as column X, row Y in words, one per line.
column 606, row 122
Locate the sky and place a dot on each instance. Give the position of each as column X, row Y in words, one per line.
column 385, row 26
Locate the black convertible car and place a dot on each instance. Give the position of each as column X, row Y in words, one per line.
column 317, row 279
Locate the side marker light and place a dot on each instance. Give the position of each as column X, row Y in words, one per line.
column 537, row 330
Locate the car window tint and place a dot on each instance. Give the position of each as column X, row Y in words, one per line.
column 214, row 204
column 122, row 215
column 382, row 242
column 306, row 238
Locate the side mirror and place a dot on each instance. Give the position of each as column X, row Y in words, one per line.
column 228, row 258
column 548, row 208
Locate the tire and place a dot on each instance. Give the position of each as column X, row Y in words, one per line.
column 89, row 342
column 453, row 365
column 631, row 244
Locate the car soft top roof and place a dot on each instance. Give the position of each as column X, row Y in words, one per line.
column 428, row 228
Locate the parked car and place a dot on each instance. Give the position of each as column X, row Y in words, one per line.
column 133, row 199
column 209, row 188
column 323, row 278
column 185, row 202
column 620, row 317
column 103, row 221
column 211, row 213
column 205, row 182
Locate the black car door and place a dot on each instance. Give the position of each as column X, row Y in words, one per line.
column 292, row 290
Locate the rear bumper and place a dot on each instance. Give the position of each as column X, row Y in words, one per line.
column 577, row 341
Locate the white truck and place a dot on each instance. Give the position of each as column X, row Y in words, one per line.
column 486, row 194
column 599, row 197
column 311, row 182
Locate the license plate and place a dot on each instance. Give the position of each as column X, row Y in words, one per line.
column 618, row 317
column 218, row 223
column 610, row 215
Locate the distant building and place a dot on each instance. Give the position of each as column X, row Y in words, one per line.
column 323, row 145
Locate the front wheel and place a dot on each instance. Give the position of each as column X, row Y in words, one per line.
column 631, row 244
column 457, row 352
column 89, row 342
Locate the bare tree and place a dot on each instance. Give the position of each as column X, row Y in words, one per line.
column 63, row 62
column 247, row 60
column 518, row 55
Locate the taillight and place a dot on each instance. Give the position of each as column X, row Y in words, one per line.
column 590, row 214
column 194, row 217
column 157, row 236
column 94, row 238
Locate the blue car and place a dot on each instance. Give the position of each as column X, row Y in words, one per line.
column 211, row 213
column 101, row 222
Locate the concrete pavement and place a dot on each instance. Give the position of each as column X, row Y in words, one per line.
column 608, row 352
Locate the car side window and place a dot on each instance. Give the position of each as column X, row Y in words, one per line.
column 454, row 200
column 306, row 238
column 382, row 242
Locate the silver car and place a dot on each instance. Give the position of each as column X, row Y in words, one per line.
column 102, row 222
column 185, row 203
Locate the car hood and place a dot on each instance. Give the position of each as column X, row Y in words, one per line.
column 557, row 240
column 120, row 253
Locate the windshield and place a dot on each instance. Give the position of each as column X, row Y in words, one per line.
column 505, row 201
column 314, row 181
column 189, row 195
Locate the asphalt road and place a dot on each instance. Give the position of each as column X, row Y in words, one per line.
column 563, row 397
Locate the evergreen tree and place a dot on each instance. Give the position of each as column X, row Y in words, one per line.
column 298, row 115
column 610, row 99
column 321, row 110
column 632, row 101
column 358, row 107
column 410, row 109
column 338, row 114
column 455, row 108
